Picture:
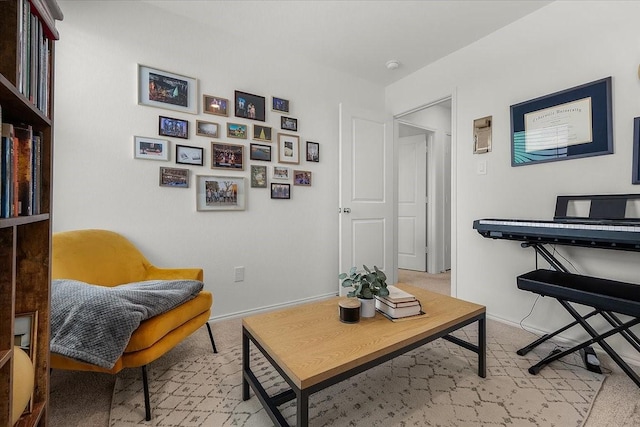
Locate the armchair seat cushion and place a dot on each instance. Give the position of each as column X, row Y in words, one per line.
column 152, row 330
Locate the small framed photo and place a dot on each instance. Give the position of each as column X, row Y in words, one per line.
column 288, row 148
column 236, row 130
column 289, row 123
column 280, row 191
column 258, row 176
column 220, row 193
column 187, row 155
column 302, row 178
column 249, row 106
column 313, row 151
column 227, row 156
column 157, row 88
column 177, row 128
column 262, row 133
column 280, row 172
column 174, row 177
column 150, row 148
column 215, row 105
column 210, row 129
column 260, row 152
column 279, row 104
column 25, row 334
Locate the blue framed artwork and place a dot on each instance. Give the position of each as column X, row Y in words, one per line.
column 569, row 124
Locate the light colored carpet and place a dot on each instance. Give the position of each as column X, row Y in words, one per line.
column 83, row 399
column 435, row 385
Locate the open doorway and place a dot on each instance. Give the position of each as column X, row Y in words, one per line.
column 431, row 123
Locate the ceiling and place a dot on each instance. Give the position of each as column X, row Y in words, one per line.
column 357, row 37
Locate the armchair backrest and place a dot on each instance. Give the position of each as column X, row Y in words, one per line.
column 99, row 257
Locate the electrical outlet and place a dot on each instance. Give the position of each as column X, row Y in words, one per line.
column 239, row 274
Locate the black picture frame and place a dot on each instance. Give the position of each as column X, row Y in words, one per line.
column 227, row 156
column 188, row 155
column 262, row 133
column 249, row 106
column 573, row 123
column 174, row 177
column 176, row 128
column 280, row 191
column 279, row 104
column 258, row 176
column 635, row 173
column 289, row 123
column 260, row 152
column 313, row 152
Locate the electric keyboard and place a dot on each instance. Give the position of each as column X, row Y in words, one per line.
column 606, row 226
column 622, row 237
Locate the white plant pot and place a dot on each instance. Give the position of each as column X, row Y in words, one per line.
column 367, row 307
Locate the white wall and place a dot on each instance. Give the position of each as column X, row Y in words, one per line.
column 565, row 44
column 288, row 247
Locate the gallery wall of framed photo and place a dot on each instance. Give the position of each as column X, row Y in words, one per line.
column 238, row 140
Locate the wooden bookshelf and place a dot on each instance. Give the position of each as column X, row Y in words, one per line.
column 25, row 241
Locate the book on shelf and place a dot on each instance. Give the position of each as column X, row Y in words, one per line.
column 36, row 176
column 10, row 156
column 20, row 171
column 6, row 182
column 34, row 54
column 24, row 134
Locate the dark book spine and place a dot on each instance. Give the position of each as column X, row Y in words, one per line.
column 25, row 167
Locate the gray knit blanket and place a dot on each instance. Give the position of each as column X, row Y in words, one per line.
column 94, row 323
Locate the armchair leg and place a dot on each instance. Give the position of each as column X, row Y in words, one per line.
column 213, row 343
column 145, row 384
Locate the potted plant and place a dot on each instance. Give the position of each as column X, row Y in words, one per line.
column 366, row 285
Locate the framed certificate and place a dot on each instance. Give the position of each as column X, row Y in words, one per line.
column 573, row 123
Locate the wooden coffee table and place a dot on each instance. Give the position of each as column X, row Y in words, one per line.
column 312, row 349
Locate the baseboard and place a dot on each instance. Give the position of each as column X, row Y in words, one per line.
column 630, row 359
column 266, row 308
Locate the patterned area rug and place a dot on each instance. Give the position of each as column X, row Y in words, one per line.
column 435, row 385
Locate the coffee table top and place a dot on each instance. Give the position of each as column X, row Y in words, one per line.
column 311, row 344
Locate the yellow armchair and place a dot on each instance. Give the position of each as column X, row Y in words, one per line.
column 106, row 258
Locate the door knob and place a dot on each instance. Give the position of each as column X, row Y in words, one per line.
column 347, row 210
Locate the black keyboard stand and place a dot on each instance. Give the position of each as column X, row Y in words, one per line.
column 606, row 297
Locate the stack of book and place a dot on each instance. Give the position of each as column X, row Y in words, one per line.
column 398, row 304
column 20, row 171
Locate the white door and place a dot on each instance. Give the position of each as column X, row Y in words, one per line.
column 366, row 196
column 412, row 210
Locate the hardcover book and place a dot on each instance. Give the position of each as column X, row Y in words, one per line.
column 397, row 295
column 397, row 312
column 24, row 135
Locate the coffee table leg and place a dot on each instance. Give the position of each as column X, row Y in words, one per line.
column 482, row 347
column 245, row 366
column 302, row 399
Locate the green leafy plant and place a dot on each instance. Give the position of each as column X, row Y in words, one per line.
column 365, row 285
